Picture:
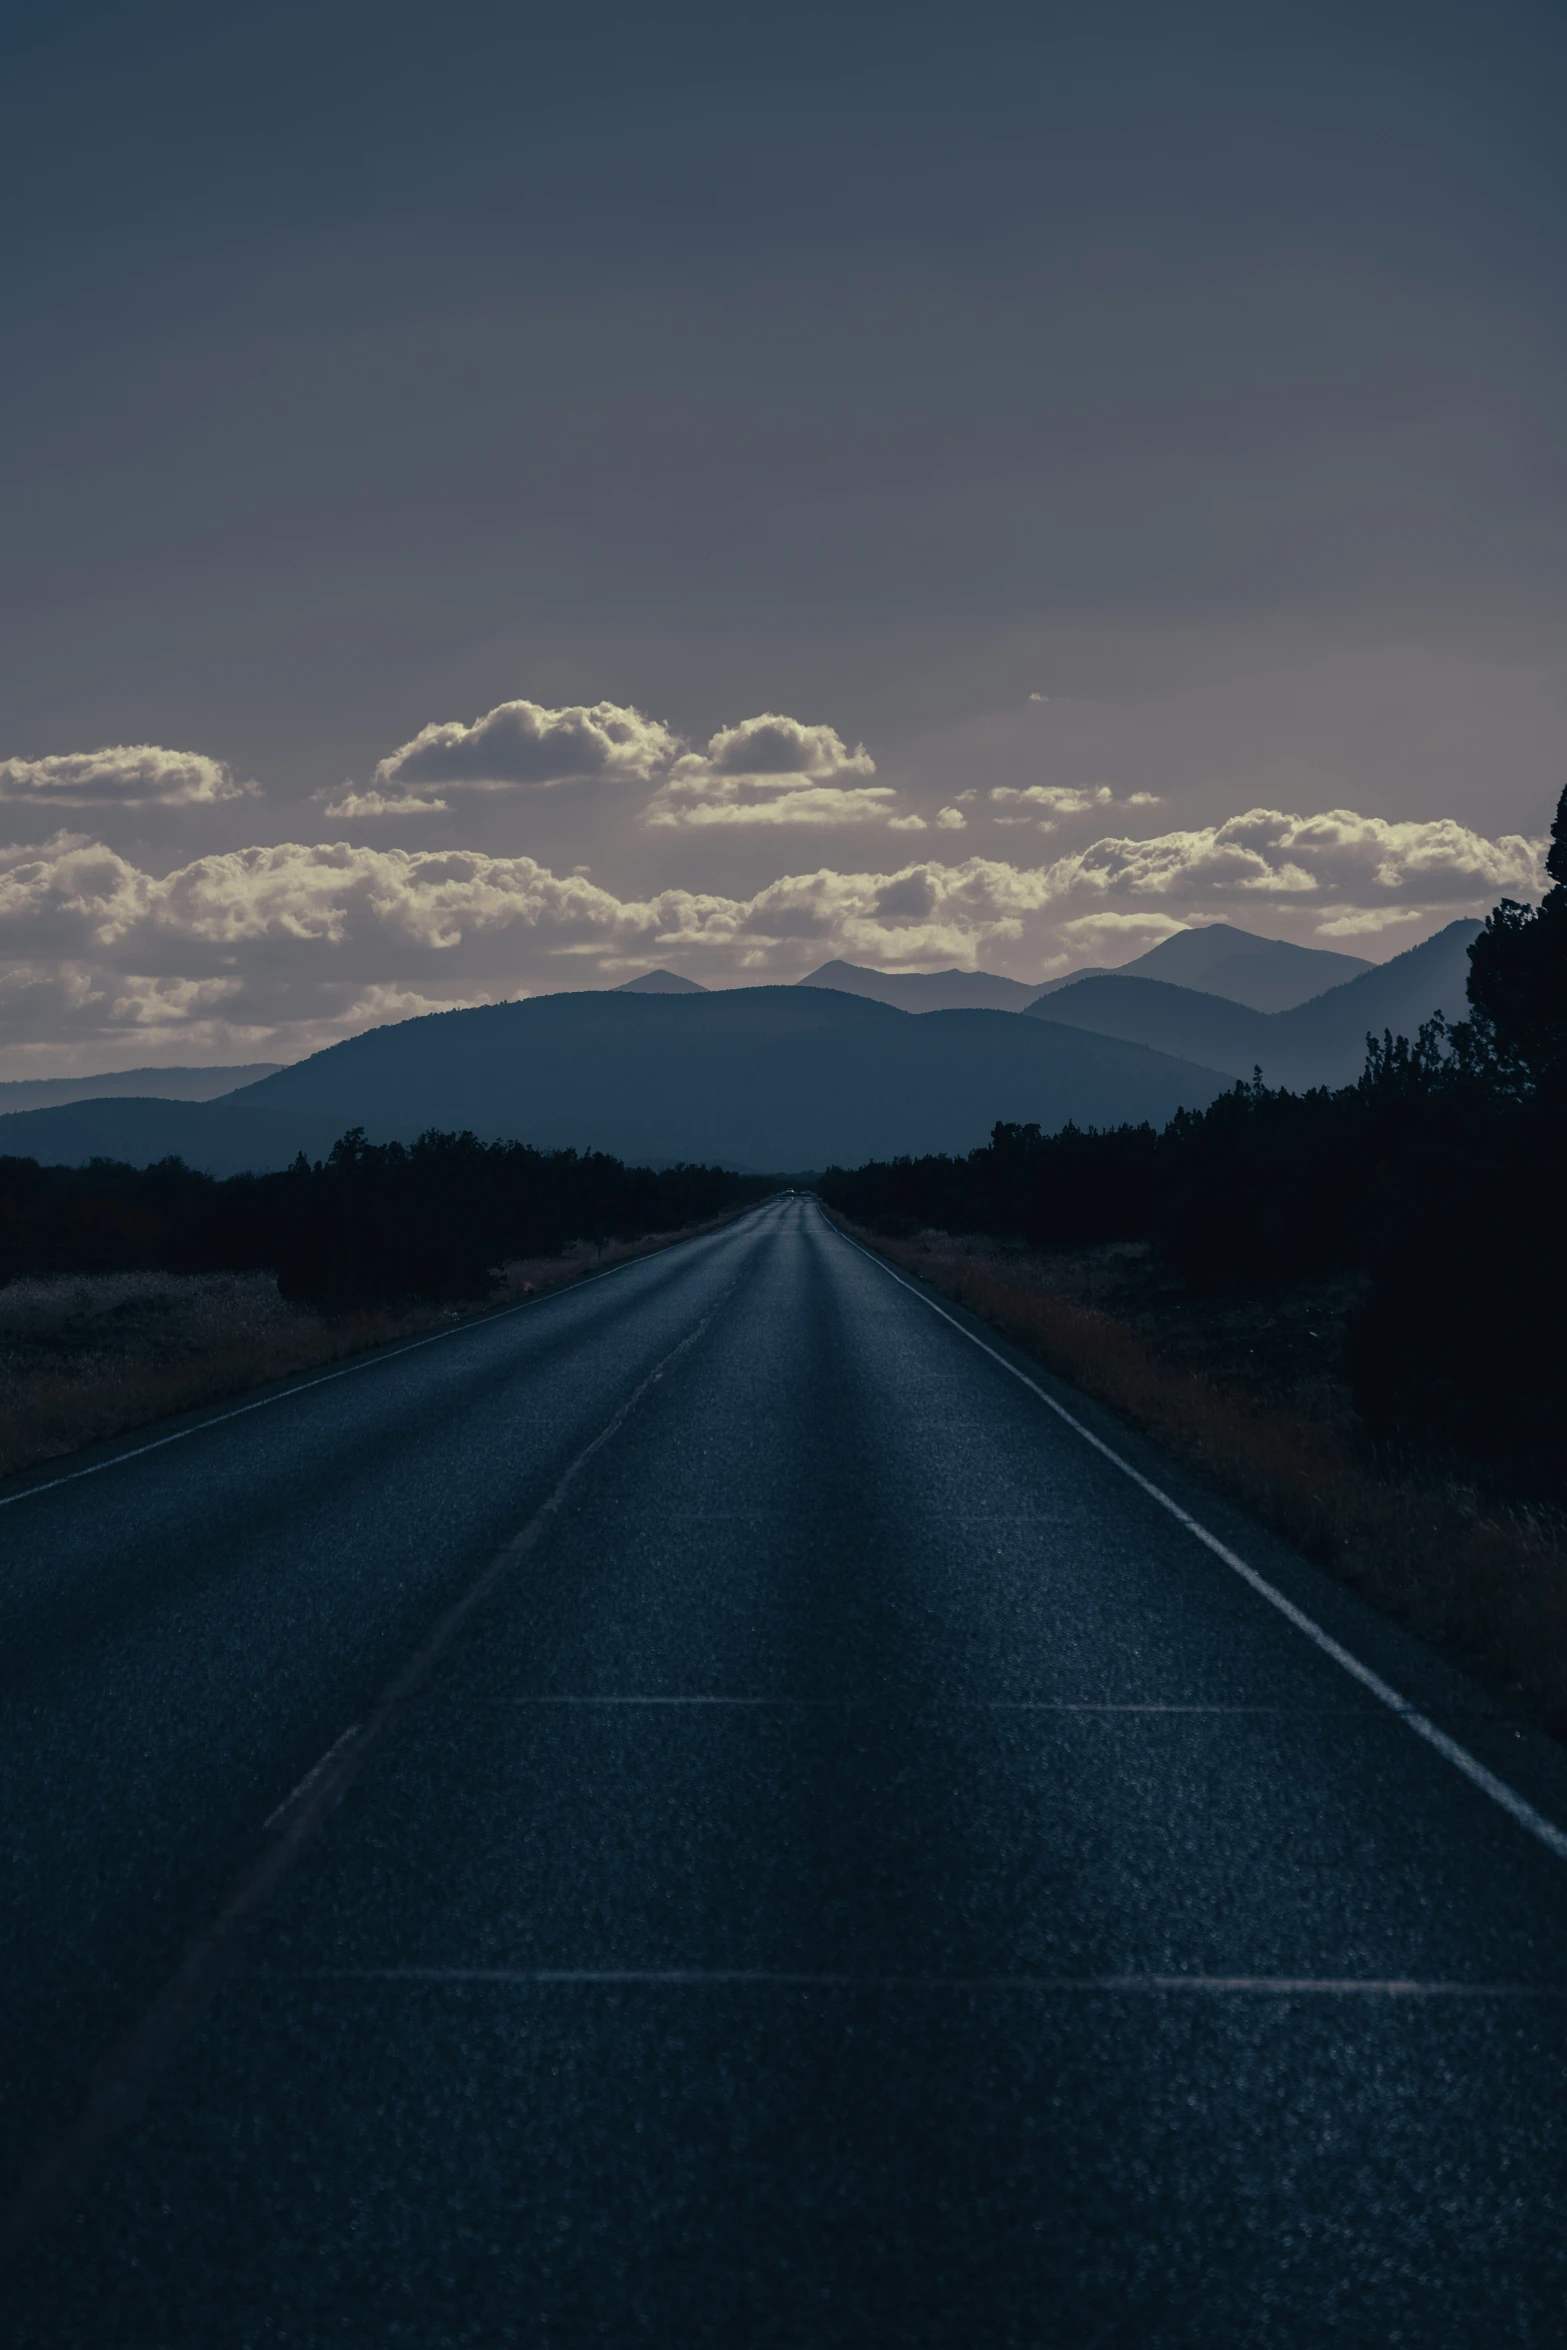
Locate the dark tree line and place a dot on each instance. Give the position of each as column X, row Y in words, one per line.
column 372, row 1223
column 1440, row 1174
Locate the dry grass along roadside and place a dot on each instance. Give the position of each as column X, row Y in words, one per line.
column 1248, row 1389
column 87, row 1357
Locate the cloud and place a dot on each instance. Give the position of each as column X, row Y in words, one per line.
column 348, row 804
column 1052, row 801
column 283, row 948
column 523, row 745
column 122, row 775
column 293, row 944
column 773, row 745
column 769, row 771
column 1363, row 860
column 1045, row 804
column 1111, row 928
column 772, row 770
column 688, row 804
column 1368, row 921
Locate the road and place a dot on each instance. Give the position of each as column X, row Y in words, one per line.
column 703, row 1811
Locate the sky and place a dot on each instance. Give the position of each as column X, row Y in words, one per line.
column 496, row 498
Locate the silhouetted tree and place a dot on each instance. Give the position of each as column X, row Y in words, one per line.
column 1438, row 1174
column 371, row 1223
column 1518, row 981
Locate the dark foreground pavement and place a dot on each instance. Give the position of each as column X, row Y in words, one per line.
column 860, row 1872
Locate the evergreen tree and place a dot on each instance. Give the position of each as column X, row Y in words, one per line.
column 1518, row 983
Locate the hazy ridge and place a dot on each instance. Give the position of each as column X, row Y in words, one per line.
column 1319, row 1042
column 754, row 1078
column 174, row 1084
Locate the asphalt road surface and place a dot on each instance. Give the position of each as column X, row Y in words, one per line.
column 703, row 1811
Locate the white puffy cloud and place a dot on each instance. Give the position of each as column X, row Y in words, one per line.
column 773, row 745
column 690, row 803
column 518, row 745
column 772, row 770
column 1362, row 860
column 288, row 946
column 282, row 948
column 347, row 804
column 1053, row 799
column 1110, row 937
column 121, row 775
column 1368, row 921
column 1047, row 804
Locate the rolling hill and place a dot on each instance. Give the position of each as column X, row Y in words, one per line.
column 209, row 1135
column 1319, row 1042
column 170, row 1085
column 764, row 1078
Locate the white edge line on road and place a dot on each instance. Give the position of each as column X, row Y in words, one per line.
column 744, row 1978
column 1535, row 1822
column 366, row 1362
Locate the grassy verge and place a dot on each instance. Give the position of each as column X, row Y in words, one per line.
column 87, row 1357
column 1248, row 1390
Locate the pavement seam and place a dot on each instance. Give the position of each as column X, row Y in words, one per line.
column 128, row 2076
column 1523, row 1813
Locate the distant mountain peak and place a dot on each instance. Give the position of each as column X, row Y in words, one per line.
column 1228, row 933
column 1217, row 958
column 661, row 983
column 1321, row 1041
column 924, row 991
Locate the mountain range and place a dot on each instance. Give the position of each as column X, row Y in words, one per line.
column 661, row 1069
column 763, row 1078
column 1269, row 974
column 1319, row 1042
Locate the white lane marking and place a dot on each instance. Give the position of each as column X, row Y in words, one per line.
column 968, row 1705
column 310, row 1777
column 366, row 1362
column 1510, row 1801
column 124, row 2081
column 748, row 1978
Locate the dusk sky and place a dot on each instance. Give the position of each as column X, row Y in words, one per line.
column 497, row 498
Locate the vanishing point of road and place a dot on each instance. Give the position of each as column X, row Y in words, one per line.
column 705, row 1810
